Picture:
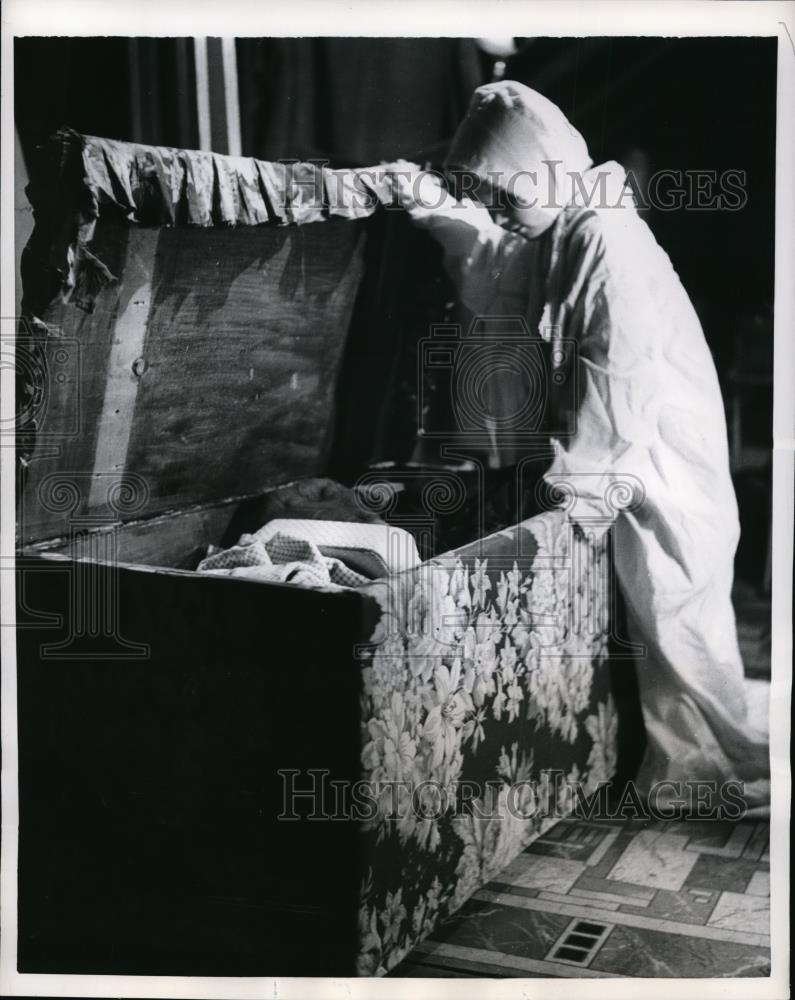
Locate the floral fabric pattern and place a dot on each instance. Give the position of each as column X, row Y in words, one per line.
column 486, row 705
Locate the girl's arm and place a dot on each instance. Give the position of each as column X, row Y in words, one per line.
column 475, row 247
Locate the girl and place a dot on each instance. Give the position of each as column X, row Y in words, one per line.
column 564, row 247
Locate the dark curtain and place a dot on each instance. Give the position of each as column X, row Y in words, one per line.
column 680, row 104
column 353, row 101
column 133, row 89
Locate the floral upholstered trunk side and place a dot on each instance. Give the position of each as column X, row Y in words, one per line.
column 486, row 712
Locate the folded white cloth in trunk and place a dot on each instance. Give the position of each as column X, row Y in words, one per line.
column 281, row 559
column 375, row 550
column 316, row 553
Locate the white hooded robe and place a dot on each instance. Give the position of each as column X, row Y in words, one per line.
column 650, row 412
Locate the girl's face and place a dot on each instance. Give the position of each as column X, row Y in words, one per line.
column 523, row 204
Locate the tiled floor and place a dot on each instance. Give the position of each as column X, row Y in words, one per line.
column 616, row 898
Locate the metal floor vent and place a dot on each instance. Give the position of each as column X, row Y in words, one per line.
column 578, row 944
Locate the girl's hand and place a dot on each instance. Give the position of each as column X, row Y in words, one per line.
column 413, row 187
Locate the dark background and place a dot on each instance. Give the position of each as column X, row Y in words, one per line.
column 650, row 103
column 680, row 104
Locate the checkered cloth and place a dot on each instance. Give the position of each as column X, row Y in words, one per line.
column 281, row 559
column 376, row 550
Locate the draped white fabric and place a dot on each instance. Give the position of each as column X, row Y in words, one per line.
column 650, row 411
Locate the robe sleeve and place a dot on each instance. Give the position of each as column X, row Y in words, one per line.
column 647, row 434
column 606, row 416
column 475, row 247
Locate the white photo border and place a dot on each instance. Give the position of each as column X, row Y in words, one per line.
column 414, row 18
